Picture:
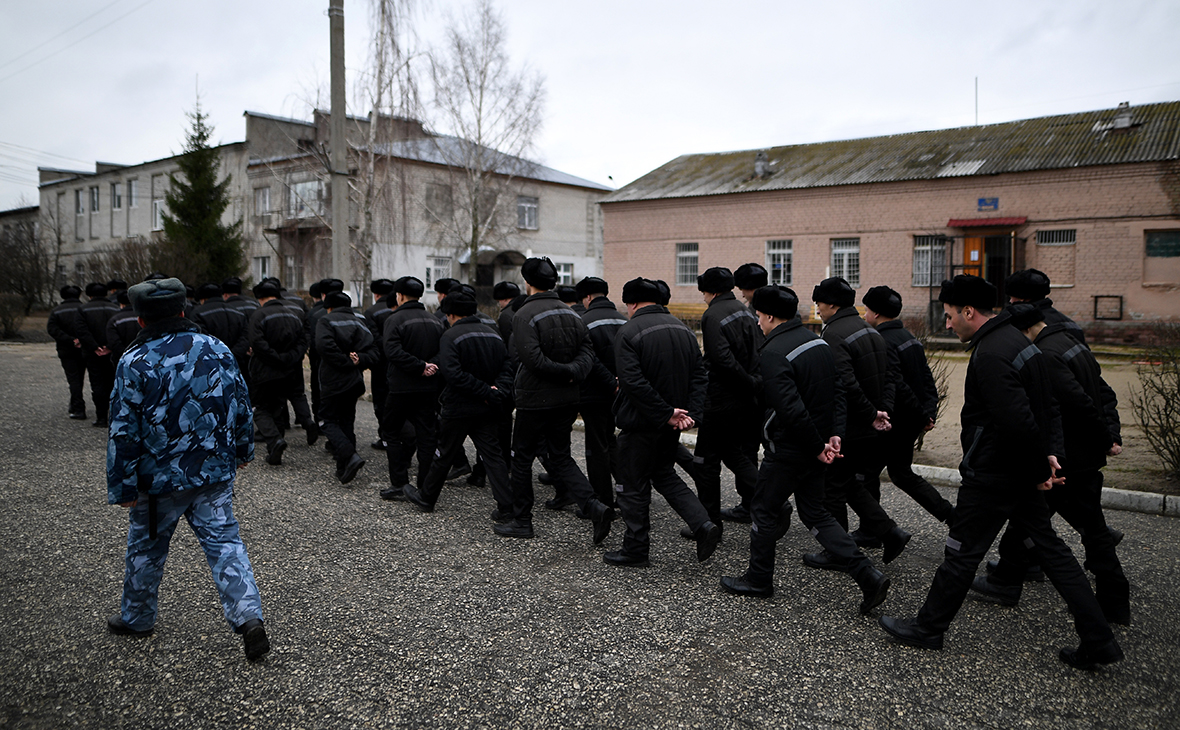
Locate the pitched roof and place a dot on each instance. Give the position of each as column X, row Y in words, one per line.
column 1146, row 133
column 455, row 152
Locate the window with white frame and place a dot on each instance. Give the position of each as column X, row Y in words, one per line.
column 116, row 196
column 437, row 268
column 846, row 260
column 306, row 199
column 1062, row 237
column 94, row 199
column 261, row 267
column 778, row 262
column 686, row 264
column 293, row 272
column 262, row 201
column 565, row 274
column 929, row 260
column 79, row 204
column 132, row 193
column 158, row 208
column 526, row 213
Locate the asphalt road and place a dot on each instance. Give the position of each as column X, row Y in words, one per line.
column 380, row 616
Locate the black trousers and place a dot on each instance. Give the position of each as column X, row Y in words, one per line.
column 601, row 448
column 843, row 489
column 74, row 365
column 1079, row 502
column 339, row 413
column 647, row 459
column 983, row 508
column 379, row 382
column 270, row 404
column 102, row 380
column 484, row 431
column 420, row 410
column 899, row 461
column 547, row 429
column 724, row 438
column 778, row 478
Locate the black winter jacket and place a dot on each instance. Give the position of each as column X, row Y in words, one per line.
column 603, row 321
column 731, row 338
column 225, row 322
column 376, row 316
column 337, row 334
column 507, row 314
column 63, row 326
column 90, row 323
column 410, row 340
column 660, row 368
column 279, row 340
column 1010, row 423
column 472, row 358
column 122, row 329
column 862, row 360
column 553, row 350
column 916, row 399
column 804, row 396
column 1089, row 408
column 237, row 301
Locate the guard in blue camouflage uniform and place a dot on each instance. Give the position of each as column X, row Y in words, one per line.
column 180, row 425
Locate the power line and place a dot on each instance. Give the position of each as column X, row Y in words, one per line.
column 19, row 150
column 59, row 35
column 65, row 48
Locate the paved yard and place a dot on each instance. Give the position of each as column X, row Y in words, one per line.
column 380, row 616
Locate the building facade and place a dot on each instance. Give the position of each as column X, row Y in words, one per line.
column 401, row 185
column 1092, row 199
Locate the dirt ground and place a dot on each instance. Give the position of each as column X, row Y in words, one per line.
column 1137, row 468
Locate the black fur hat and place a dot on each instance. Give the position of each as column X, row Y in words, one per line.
column 751, row 276
column 505, row 290
column 444, row 285
column 592, row 285
column 966, row 290
column 409, row 286
column 381, row 287
column 209, row 291
column 96, row 289
column 116, row 285
column 540, row 273
column 834, row 290
column 1025, row 315
column 777, row 301
column 883, row 300
column 327, row 286
column 232, row 285
column 459, row 303
column 716, row 280
column 314, row 290
column 1028, row 284
column 265, row 289
column 337, row 299
column 641, row 290
column 69, row 291
column 568, row 294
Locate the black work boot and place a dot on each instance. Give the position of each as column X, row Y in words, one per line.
column 873, row 585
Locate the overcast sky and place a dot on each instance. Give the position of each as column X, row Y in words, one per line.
column 631, row 85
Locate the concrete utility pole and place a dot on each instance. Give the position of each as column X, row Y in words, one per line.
column 341, row 259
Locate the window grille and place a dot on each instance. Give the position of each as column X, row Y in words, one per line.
column 846, row 260
column 778, row 262
column 686, row 264
column 929, row 260
column 1064, row 237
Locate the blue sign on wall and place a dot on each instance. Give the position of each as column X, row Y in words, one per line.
column 989, row 204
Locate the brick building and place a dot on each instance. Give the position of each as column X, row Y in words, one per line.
column 1092, row 199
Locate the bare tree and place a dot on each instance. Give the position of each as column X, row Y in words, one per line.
column 494, row 112
column 25, row 271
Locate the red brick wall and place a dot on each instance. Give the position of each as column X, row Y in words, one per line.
column 1110, row 207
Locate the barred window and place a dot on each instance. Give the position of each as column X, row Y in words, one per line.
column 1064, row 237
column 846, row 260
column 778, row 262
column 686, row 264
column 929, row 260
column 437, row 268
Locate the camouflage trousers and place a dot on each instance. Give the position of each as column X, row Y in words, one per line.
column 210, row 513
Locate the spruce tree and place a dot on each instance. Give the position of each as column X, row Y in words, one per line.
column 202, row 248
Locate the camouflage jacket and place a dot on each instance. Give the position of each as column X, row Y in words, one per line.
column 180, row 414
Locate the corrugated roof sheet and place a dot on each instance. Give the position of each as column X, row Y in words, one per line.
column 1047, row 143
column 454, row 152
